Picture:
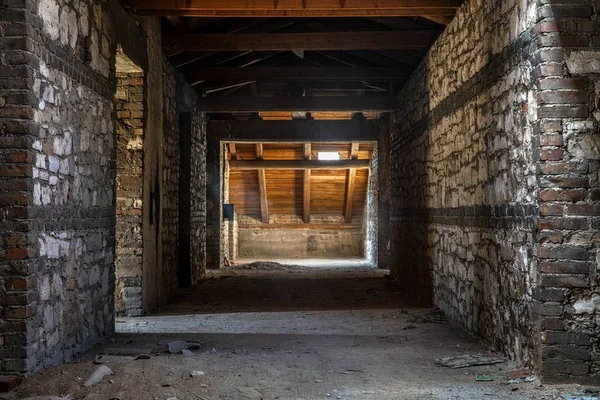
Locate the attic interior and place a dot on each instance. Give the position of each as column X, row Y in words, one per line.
column 299, row 199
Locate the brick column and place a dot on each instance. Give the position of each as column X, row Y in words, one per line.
column 17, row 129
column 566, row 52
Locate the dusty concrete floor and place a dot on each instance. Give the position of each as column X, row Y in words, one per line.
column 288, row 333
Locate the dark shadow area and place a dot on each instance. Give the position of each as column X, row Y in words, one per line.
column 289, row 289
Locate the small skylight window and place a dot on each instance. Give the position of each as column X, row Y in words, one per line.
column 328, row 155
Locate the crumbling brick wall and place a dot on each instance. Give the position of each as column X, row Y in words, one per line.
column 129, row 104
column 58, row 155
column 567, row 64
column 494, row 177
column 463, row 185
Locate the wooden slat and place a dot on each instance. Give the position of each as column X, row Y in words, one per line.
column 349, row 195
column 313, row 41
column 293, row 8
column 308, row 104
column 298, row 164
column 306, row 206
column 195, row 74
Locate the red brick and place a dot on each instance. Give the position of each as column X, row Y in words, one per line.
column 14, row 199
column 550, row 70
column 17, row 253
column 565, row 182
column 17, row 284
column 564, row 267
column 18, row 171
column 576, row 111
column 551, row 126
column 563, row 97
column 551, row 140
column 583, row 209
column 16, row 240
column 556, row 168
column 563, row 194
column 16, row 112
column 17, row 157
column 564, row 223
column 564, row 253
column 551, row 209
column 551, row 154
column 564, row 83
column 16, row 313
column 550, row 237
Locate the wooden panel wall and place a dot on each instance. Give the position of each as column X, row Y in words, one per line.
column 285, row 187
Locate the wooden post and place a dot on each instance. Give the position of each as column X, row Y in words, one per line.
column 350, row 183
column 306, row 211
column 262, row 185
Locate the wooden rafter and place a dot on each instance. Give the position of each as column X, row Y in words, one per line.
column 298, row 164
column 321, row 74
column 293, row 8
column 262, row 185
column 233, row 151
column 306, row 191
column 385, row 40
column 307, row 104
column 293, row 130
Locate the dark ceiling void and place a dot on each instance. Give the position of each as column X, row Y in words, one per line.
column 297, row 55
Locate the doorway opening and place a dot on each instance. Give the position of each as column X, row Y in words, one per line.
column 302, row 203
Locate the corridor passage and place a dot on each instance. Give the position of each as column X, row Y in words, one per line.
column 267, row 331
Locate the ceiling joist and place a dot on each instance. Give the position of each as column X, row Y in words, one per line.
column 298, row 165
column 306, row 104
column 294, row 8
column 319, row 74
column 314, row 41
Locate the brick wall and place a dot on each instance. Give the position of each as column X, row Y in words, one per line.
column 494, row 177
column 566, row 66
column 383, row 209
column 58, row 159
column 463, row 186
column 129, row 104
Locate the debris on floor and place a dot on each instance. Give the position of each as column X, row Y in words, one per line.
column 99, row 373
column 468, row 360
column 579, row 396
column 435, row 316
column 520, row 373
column 484, row 378
column 177, row 346
column 523, row 380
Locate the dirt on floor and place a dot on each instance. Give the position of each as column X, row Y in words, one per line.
column 283, row 332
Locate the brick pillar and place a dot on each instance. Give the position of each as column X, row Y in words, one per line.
column 17, row 130
column 566, row 53
column 129, row 103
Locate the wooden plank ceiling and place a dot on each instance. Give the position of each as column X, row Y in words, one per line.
column 357, row 53
column 288, row 179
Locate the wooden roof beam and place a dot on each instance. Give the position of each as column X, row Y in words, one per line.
column 286, row 74
column 293, row 8
column 306, row 104
column 298, row 165
column 292, row 131
column 314, row 41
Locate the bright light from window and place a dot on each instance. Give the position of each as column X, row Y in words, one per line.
column 328, row 155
